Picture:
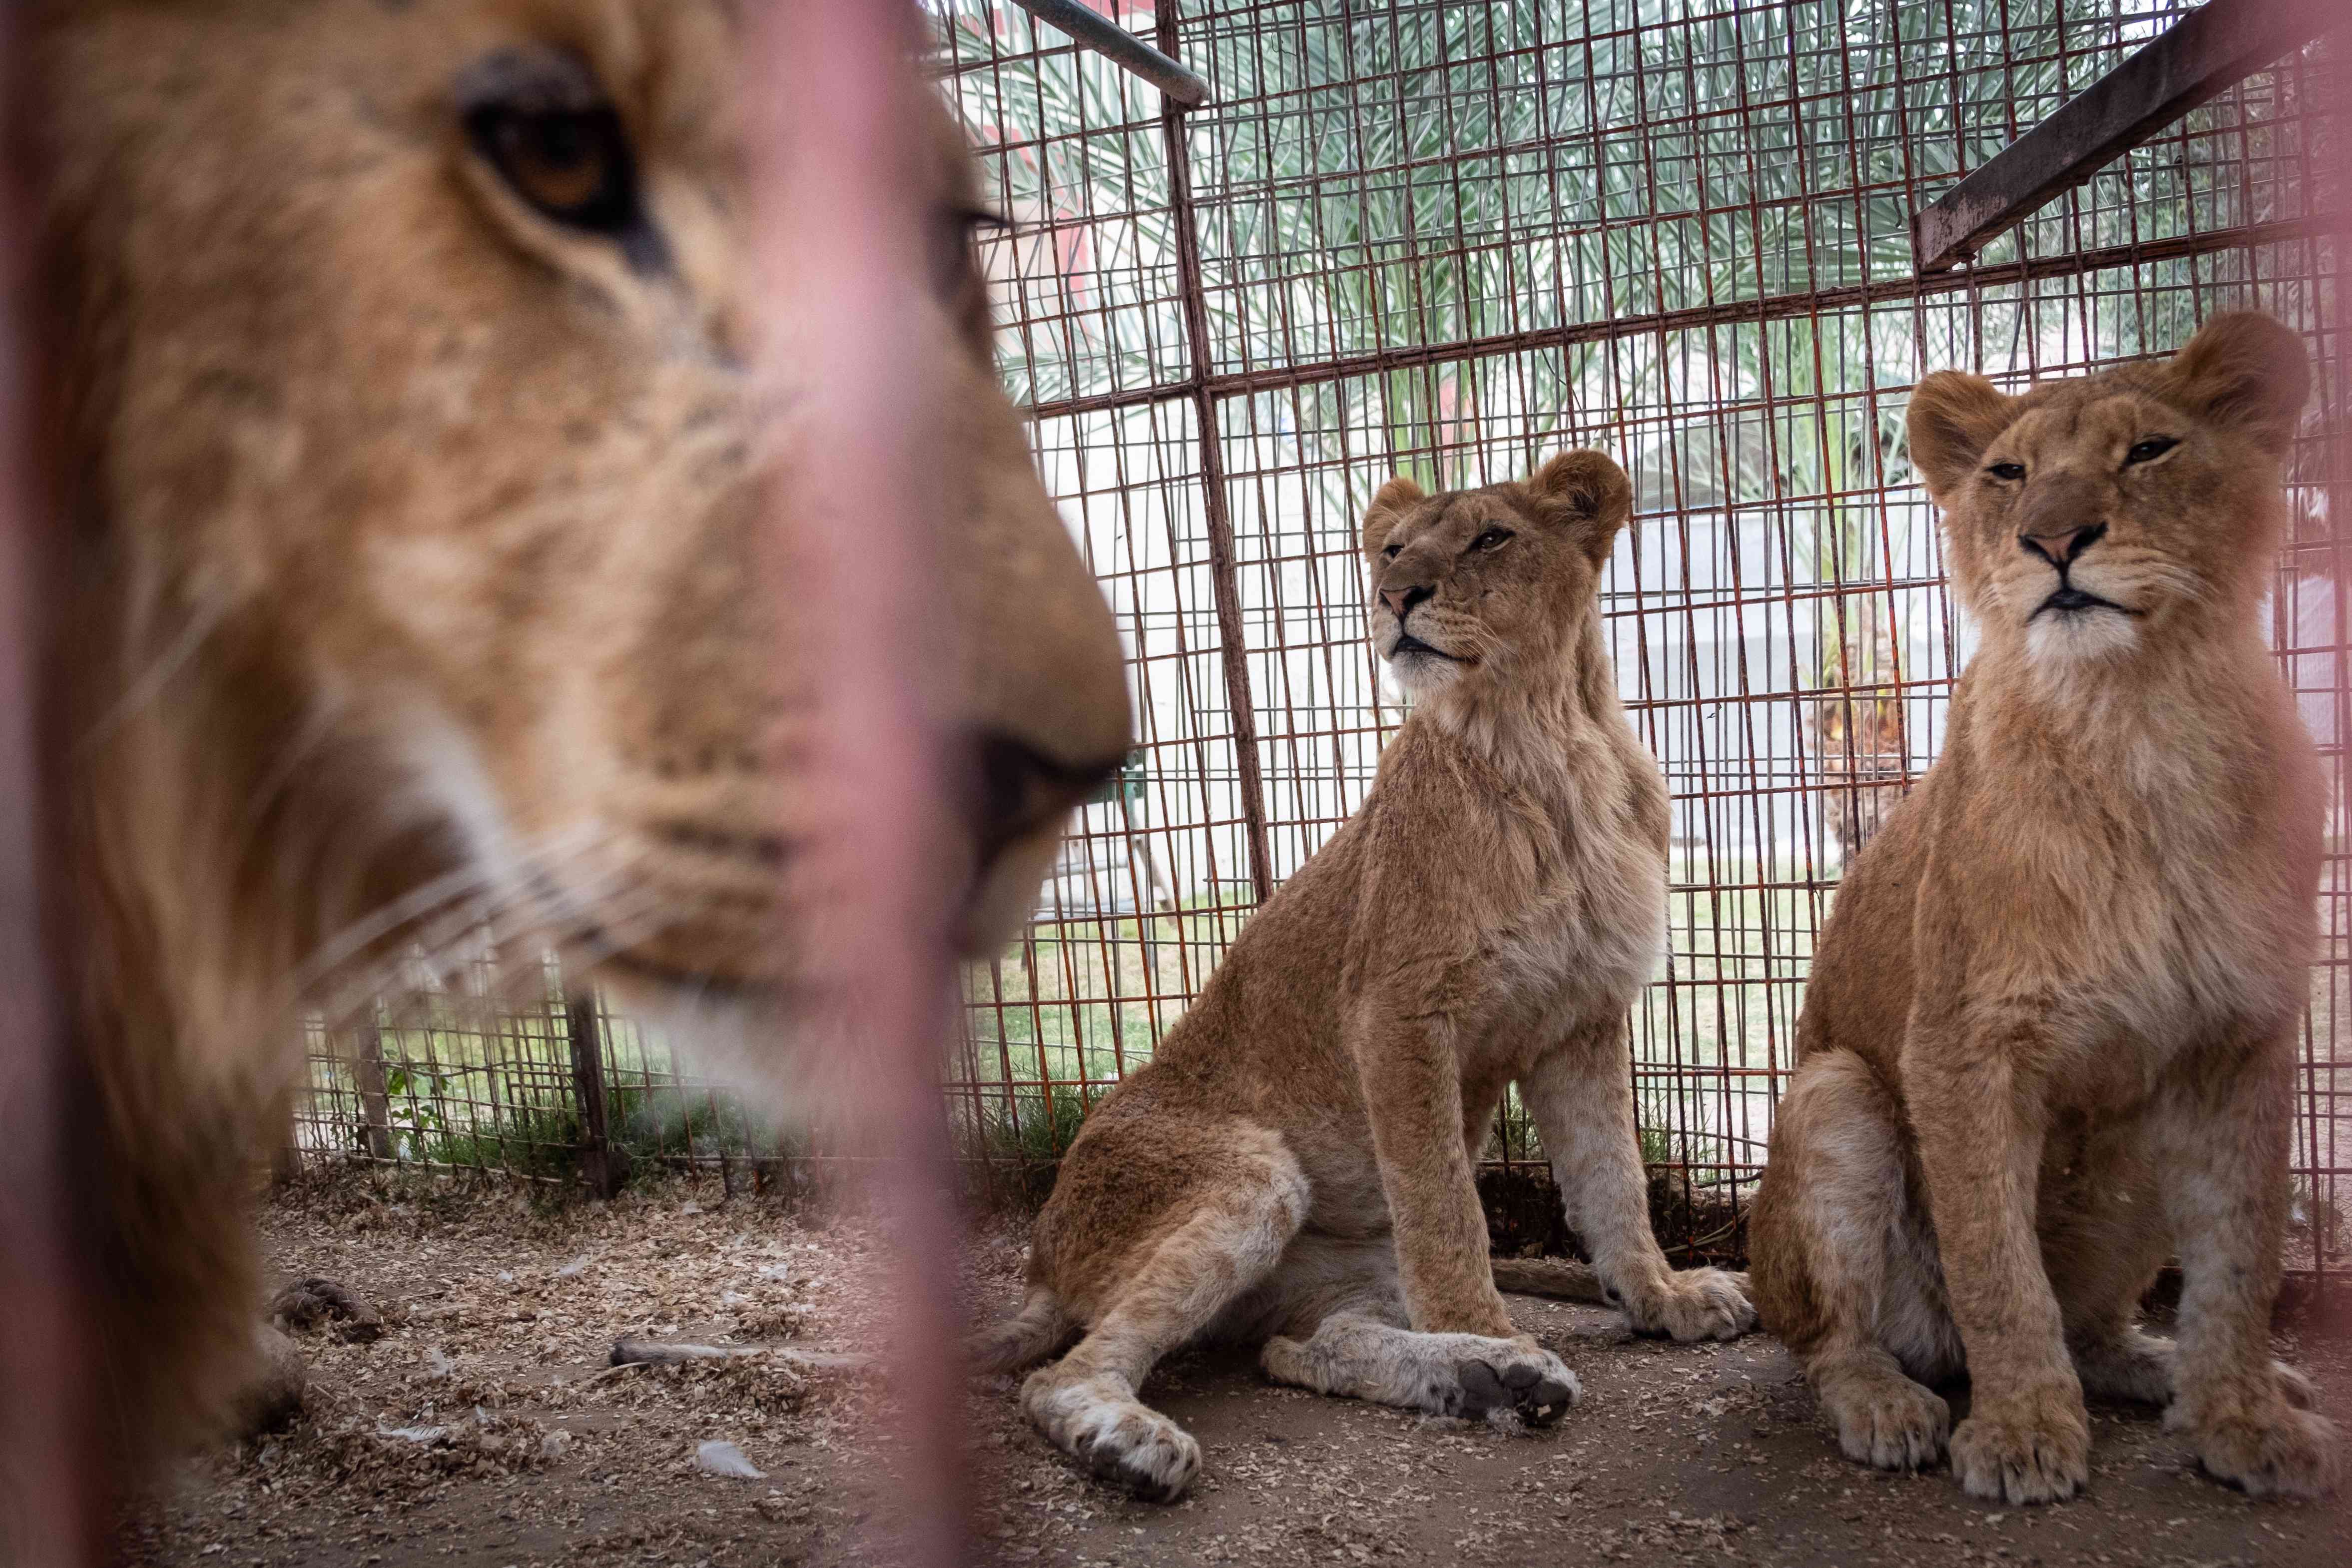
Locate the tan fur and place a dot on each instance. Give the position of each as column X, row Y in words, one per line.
column 2050, row 1030
column 414, row 579
column 1296, row 1164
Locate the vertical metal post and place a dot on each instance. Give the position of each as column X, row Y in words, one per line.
column 1223, row 576
column 603, row 1167
column 286, row 1159
column 376, row 1093
column 54, row 1490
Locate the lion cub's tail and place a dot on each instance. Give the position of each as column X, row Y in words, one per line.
column 1023, row 1340
column 1562, row 1277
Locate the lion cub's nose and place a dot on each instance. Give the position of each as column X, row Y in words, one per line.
column 2060, row 547
column 1401, row 600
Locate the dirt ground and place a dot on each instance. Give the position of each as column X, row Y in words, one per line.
column 484, row 1427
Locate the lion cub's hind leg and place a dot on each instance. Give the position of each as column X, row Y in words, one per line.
column 1845, row 1269
column 2101, row 1253
column 2102, row 1240
column 1165, row 1293
column 1343, row 1317
column 2142, row 1368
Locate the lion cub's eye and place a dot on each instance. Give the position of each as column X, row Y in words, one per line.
column 2150, row 450
column 1493, row 538
column 572, row 165
column 2007, row 470
column 541, row 123
column 1391, row 553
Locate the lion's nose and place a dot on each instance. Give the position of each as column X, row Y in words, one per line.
column 1401, row 600
column 1016, row 790
column 2061, row 546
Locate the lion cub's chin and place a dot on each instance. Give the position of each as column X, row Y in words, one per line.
column 1421, row 676
column 2069, row 638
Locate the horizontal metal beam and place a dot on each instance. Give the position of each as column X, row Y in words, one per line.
column 2202, row 55
column 1106, row 38
column 1698, row 318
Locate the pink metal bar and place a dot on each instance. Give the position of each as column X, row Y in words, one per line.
column 54, row 1502
column 852, row 570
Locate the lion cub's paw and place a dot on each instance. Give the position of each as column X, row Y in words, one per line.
column 1530, row 1383
column 2147, row 1368
column 2283, row 1451
column 2032, row 1449
column 1095, row 1420
column 1697, row 1303
column 1890, row 1422
column 2131, row 1366
column 2295, row 1387
column 1142, row 1450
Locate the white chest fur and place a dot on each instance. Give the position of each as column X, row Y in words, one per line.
column 1582, row 950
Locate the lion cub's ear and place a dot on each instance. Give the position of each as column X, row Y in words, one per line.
column 1591, row 495
column 1395, row 498
column 1954, row 417
column 2246, row 370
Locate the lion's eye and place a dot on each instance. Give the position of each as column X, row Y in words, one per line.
column 1493, row 538
column 2007, row 470
column 2150, row 450
column 1391, row 553
column 571, row 165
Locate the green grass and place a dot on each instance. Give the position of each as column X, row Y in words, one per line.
column 1032, row 1129
column 467, row 1085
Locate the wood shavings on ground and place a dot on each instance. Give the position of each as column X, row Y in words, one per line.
column 499, row 1316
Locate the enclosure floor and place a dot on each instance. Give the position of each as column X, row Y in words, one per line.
column 1697, row 1454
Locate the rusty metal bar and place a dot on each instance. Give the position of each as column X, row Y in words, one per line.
column 1106, row 37
column 2203, row 53
column 839, row 230
column 375, row 1090
column 1796, row 306
column 602, row 1166
column 1232, row 639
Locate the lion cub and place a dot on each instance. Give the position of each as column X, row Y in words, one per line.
column 1296, row 1166
column 2050, row 1032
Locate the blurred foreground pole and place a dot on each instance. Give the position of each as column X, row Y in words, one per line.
column 52, row 1493
column 851, row 569
column 2332, row 202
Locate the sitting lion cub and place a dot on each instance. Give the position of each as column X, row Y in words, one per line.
column 1297, row 1164
column 2051, row 1026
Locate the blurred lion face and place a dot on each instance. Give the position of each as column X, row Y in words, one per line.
column 429, row 446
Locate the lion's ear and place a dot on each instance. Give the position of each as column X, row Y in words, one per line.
column 1954, row 417
column 2247, row 371
column 1590, row 493
column 1388, row 506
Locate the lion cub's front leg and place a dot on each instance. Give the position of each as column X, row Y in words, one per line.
column 1581, row 1097
column 2027, row 1438
column 2222, row 1151
column 1413, row 1093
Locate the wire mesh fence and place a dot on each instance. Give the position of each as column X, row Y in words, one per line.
column 1446, row 239
column 488, row 1076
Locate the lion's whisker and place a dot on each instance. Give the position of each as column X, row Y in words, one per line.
column 470, row 889
column 144, row 688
